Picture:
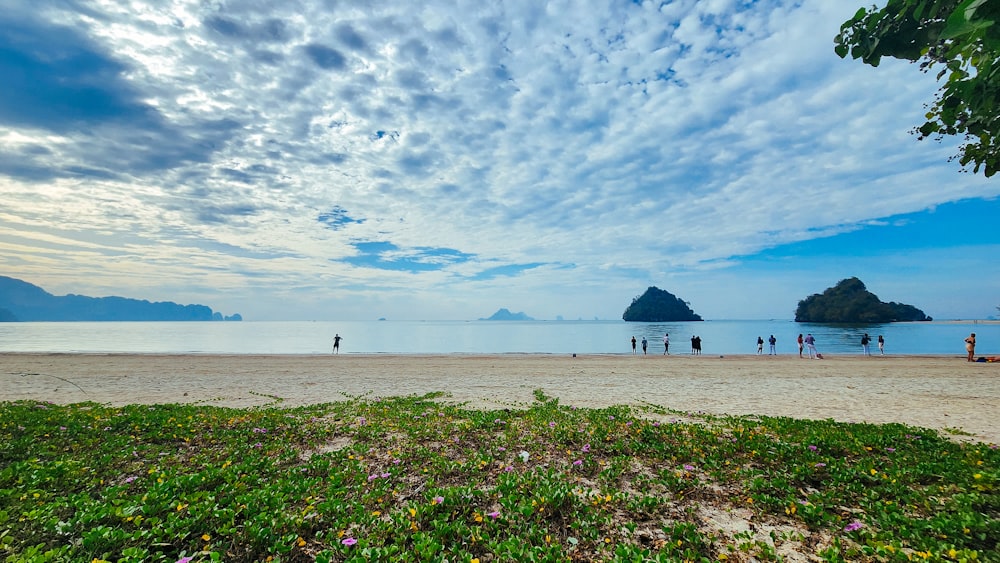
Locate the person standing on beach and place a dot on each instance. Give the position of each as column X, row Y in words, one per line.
column 881, row 345
column 644, row 344
column 692, row 344
column 970, row 346
column 633, row 345
column 811, row 345
column 697, row 345
column 799, row 340
column 760, row 346
column 865, row 340
column 666, row 344
column 336, row 343
column 772, row 342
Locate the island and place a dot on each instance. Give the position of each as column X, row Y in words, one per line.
column 850, row 302
column 506, row 315
column 23, row 301
column 658, row 305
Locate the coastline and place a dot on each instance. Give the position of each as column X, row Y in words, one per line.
column 939, row 392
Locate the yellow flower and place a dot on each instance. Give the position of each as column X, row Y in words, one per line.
column 479, row 517
column 474, row 560
column 977, row 476
column 413, row 512
column 874, row 472
column 206, row 537
column 302, row 542
column 181, row 507
column 376, row 513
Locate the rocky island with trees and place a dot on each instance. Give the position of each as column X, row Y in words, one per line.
column 657, row 305
column 850, row 302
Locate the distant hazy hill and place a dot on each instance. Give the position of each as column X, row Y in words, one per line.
column 850, row 302
column 22, row 301
column 657, row 305
column 505, row 315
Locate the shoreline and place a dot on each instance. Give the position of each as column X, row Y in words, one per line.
column 942, row 392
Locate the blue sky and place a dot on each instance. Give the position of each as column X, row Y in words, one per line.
column 338, row 160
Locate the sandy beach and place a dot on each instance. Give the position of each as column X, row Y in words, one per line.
column 926, row 391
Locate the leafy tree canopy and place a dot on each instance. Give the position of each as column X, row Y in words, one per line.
column 850, row 302
column 657, row 305
column 961, row 41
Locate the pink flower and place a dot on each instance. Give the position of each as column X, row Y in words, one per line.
column 494, row 514
column 185, row 560
column 348, row 541
column 853, row 526
column 813, row 448
column 586, row 448
column 688, row 467
column 578, row 462
column 438, row 500
column 552, row 425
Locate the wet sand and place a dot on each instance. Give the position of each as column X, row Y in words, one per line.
column 943, row 393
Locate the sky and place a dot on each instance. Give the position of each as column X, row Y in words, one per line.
column 329, row 160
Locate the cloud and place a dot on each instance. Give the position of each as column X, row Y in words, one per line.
column 556, row 159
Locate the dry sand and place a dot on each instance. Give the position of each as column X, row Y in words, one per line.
column 932, row 392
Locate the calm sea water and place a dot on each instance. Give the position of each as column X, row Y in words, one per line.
column 481, row 337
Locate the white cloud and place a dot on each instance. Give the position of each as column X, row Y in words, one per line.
column 617, row 145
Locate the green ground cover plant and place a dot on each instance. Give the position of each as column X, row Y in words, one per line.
column 420, row 479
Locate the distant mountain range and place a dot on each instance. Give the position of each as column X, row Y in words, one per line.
column 506, row 315
column 22, row 301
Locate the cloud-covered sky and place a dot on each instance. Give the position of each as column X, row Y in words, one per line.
column 324, row 159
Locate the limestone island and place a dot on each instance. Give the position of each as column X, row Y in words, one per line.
column 506, row 315
column 850, row 302
column 657, row 306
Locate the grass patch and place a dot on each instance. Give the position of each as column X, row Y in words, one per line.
column 418, row 479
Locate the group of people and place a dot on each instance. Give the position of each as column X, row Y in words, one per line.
column 808, row 344
column 695, row 345
column 772, row 341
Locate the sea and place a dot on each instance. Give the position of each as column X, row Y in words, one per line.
column 718, row 337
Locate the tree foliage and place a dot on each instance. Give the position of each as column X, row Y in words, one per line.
column 961, row 42
column 657, row 305
column 850, row 302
